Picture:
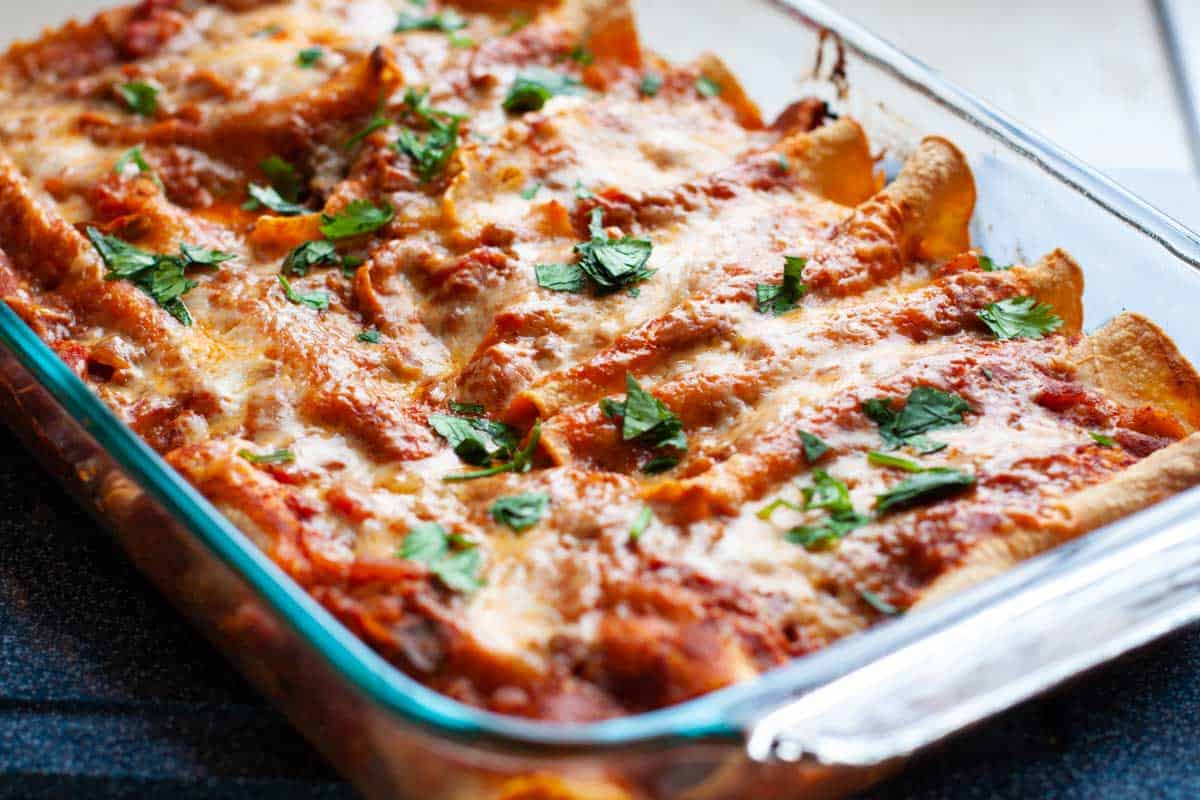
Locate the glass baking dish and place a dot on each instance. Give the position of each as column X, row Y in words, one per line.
column 822, row 726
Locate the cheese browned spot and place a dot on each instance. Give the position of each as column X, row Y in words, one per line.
column 652, row 574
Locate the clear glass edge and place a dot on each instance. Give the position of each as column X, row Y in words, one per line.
column 726, row 713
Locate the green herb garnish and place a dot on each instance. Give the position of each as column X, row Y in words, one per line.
column 1020, row 318
column 276, row 457
column 369, row 336
column 359, row 217
column 641, row 523
column 613, row 264
column 530, row 192
column 645, row 418
column 828, row 532
column 534, row 86
column 446, row 21
column 309, row 255
column 896, row 462
column 879, row 604
column 429, row 544
column 814, row 447
column 520, row 512
column 930, row 484
column 315, row 300
column 476, row 440
column 140, row 97
column 926, row 409
column 135, row 157
column 561, row 277
column 651, row 84
column 376, row 123
column 470, row 409
column 1102, row 440
column 284, row 178
column 267, row 196
column 522, row 460
column 988, row 265
column 431, row 154
column 160, row 276
column 309, row 57
column 707, row 87
column 582, row 56
column 784, row 297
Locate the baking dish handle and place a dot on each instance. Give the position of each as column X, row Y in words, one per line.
column 1101, row 602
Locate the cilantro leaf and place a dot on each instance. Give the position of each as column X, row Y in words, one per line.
column 469, row 409
column 370, row 336
column 267, row 196
column 561, row 277
column 134, row 156
column 646, row 418
column 1020, row 318
column 707, row 87
column 783, row 298
column 582, row 56
column 660, row 464
column 520, row 512
column 446, row 21
column 429, row 544
column 284, row 178
column 613, row 264
column 315, row 300
column 140, row 97
column 309, row 255
column 359, row 217
column 531, row 191
column 814, row 447
column 930, row 484
column 1102, row 440
column 640, row 523
column 925, row 409
column 376, row 123
column 828, row 532
column 160, row 276
column 534, row 86
column 309, row 57
column 522, row 460
column 887, row 460
column 276, row 457
column 988, row 265
column 879, row 604
column 475, row 440
column 651, row 84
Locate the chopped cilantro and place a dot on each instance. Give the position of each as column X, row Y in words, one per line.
column 429, row 544
column 613, row 264
column 470, row 409
column 988, row 265
column 359, row 217
column 561, row 277
column 476, row 440
column 534, row 86
column 707, row 87
column 785, row 163
column 784, row 297
column 530, row 191
column 814, row 447
column 370, row 336
column 896, row 462
column 925, row 409
column 276, row 457
column 315, row 300
column 446, row 21
column 582, row 192
column 651, row 84
column 309, row 255
column 284, row 178
column 930, row 484
column 660, row 464
column 309, row 57
column 522, row 460
column 645, row 418
column 1102, row 440
column 641, row 523
column 160, row 276
column 140, row 97
column 520, row 512
column 431, row 154
column 1020, row 318
column 134, row 156
column 879, row 604
column 582, row 56
column 267, row 196
column 376, row 123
